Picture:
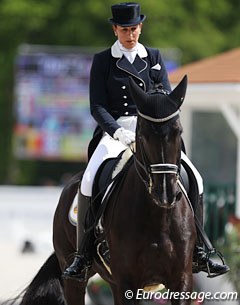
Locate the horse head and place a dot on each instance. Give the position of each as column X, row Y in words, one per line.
column 158, row 141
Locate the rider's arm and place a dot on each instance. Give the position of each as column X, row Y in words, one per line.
column 98, row 94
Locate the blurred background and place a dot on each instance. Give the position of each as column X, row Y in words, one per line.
column 46, row 49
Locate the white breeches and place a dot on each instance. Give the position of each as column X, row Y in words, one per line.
column 196, row 173
column 110, row 148
column 107, row 148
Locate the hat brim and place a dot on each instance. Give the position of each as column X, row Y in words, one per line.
column 130, row 23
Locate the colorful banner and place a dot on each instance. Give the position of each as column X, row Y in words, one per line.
column 52, row 106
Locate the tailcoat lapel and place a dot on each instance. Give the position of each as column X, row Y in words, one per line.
column 137, row 67
column 122, row 63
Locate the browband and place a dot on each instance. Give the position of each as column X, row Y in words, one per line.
column 159, row 120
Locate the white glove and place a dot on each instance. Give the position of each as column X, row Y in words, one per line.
column 125, row 136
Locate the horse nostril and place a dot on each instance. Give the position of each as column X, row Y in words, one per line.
column 179, row 196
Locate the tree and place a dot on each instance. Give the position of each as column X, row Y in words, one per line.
column 19, row 19
column 197, row 28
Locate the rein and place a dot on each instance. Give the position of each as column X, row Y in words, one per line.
column 158, row 168
column 150, row 169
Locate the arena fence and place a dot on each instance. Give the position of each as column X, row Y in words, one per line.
column 220, row 202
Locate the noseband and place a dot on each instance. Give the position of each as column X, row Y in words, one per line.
column 163, row 168
column 159, row 168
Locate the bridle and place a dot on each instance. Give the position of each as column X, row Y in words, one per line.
column 158, row 168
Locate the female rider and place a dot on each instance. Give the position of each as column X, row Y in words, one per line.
column 115, row 112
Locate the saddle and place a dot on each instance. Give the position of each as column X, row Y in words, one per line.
column 108, row 177
column 187, row 178
column 112, row 170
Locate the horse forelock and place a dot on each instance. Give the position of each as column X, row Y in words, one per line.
column 165, row 127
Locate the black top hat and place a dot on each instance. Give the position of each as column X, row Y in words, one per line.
column 126, row 14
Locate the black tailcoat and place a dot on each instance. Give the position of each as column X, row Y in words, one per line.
column 109, row 87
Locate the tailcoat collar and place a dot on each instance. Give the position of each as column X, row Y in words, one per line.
column 117, row 53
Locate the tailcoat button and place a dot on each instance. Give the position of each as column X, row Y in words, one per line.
column 125, row 96
column 125, row 104
column 123, row 87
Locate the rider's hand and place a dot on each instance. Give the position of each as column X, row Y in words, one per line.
column 126, row 137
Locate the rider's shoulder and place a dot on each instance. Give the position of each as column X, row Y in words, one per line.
column 103, row 54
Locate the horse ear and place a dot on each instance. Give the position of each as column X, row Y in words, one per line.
column 138, row 95
column 178, row 93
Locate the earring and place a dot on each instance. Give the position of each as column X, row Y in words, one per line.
column 115, row 33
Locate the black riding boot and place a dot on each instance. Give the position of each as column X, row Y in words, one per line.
column 83, row 258
column 201, row 261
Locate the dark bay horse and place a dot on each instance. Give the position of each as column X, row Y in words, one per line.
column 148, row 222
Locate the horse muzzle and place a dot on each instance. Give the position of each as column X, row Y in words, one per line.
column 166, row 200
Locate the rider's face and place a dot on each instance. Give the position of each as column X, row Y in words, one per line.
column 129, row 35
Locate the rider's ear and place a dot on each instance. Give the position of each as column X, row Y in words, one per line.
column 178, row 93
